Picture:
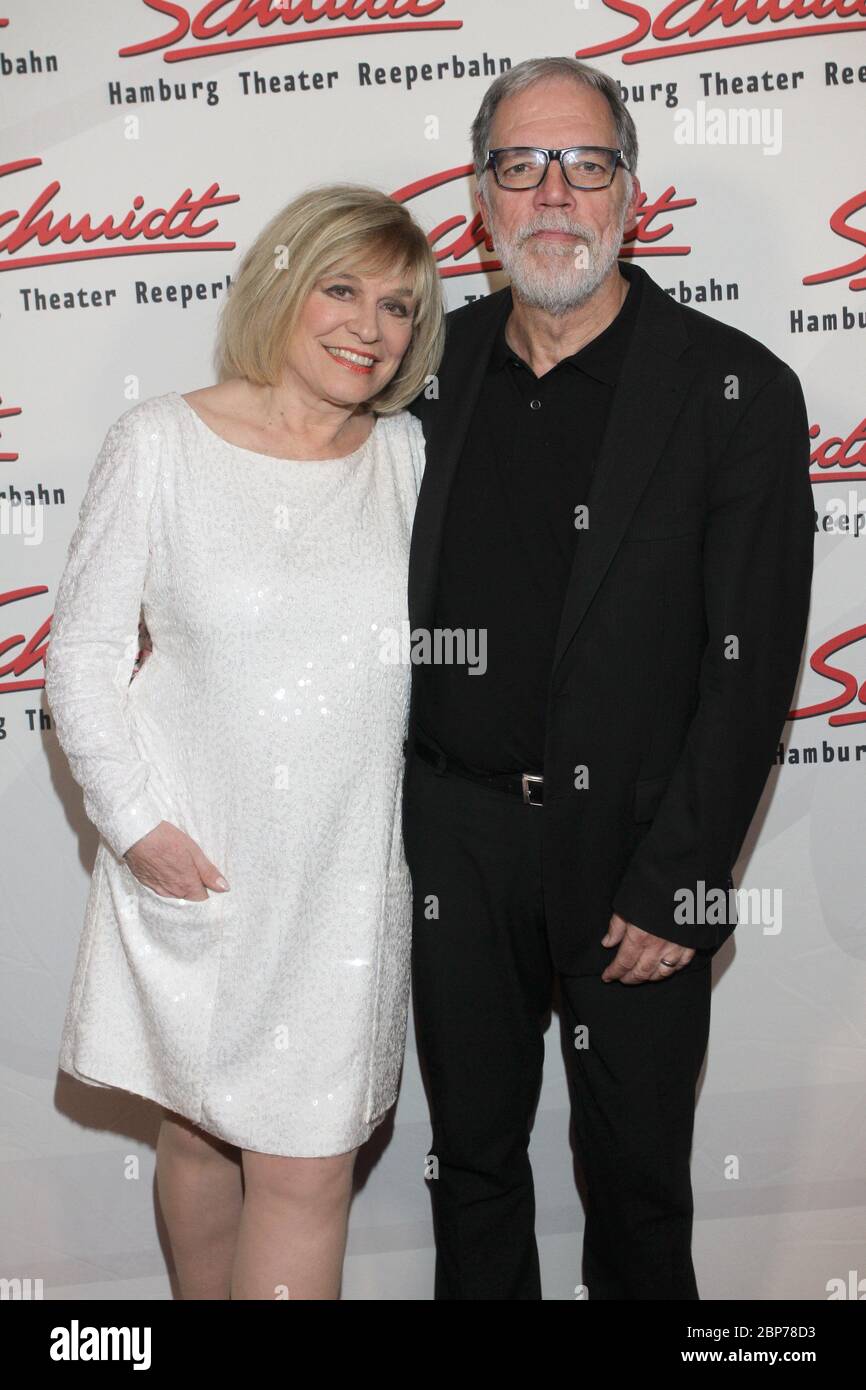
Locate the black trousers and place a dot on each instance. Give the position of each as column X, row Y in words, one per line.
column 482, row 986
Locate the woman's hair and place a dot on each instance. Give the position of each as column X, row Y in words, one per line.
column 345, row 225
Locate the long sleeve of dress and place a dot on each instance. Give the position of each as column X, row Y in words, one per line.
column 416, row 448
column 94, row 633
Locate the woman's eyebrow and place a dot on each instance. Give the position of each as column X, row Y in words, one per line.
column 404, row 290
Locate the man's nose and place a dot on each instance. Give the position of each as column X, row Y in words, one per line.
column 555, row 188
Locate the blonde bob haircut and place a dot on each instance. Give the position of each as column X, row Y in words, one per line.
column 358, row 229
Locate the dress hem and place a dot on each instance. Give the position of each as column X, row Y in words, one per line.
column 334, row 1148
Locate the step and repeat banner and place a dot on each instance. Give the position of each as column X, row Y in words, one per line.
column 146, row 143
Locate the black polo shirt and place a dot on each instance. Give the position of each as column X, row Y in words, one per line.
column 508, row 545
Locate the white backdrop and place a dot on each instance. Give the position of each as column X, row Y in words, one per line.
column 144, row 148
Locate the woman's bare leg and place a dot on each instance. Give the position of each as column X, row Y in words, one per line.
column 200, row 1184
column 292, row 1236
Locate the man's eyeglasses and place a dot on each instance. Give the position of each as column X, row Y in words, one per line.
column 583, row 166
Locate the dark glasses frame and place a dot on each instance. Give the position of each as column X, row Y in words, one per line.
column 550, row 155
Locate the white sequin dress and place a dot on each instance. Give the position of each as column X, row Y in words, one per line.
column 268, row 724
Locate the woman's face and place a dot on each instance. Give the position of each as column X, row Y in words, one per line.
column 352, row 334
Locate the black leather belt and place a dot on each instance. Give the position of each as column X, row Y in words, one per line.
column 527, row 785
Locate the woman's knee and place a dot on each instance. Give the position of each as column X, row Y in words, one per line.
column 305, row 1181
column 187, row 1140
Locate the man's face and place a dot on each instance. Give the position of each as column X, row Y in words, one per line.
column 557, row 244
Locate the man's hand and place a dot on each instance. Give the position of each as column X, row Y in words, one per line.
column 640, row 954
column 170, row 862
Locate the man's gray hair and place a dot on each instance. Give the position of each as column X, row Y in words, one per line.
column 533, row 70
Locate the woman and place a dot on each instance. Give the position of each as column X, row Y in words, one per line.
column 245, row 953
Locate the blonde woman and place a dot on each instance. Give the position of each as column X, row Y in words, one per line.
column 245, row 953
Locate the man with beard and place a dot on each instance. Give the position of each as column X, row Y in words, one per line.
column 616, row 495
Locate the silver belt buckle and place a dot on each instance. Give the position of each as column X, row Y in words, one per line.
column 526, row 778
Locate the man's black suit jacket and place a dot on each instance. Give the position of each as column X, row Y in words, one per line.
column 683, row 620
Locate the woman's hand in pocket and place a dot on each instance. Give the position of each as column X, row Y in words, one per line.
column 169, row 862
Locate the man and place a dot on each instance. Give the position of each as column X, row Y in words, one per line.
column 616, row 495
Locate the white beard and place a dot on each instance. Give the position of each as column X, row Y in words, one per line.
column 556, row 276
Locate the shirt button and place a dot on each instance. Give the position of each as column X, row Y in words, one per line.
column 535, row 405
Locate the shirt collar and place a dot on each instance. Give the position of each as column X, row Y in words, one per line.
column 601, row 358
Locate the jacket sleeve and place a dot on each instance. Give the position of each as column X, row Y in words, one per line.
column 757, row 571
column 94, row 633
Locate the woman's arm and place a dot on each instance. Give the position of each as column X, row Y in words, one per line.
column 416, row 448
column 94, row 637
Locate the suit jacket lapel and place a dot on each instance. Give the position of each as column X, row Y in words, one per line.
column 653, row 385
